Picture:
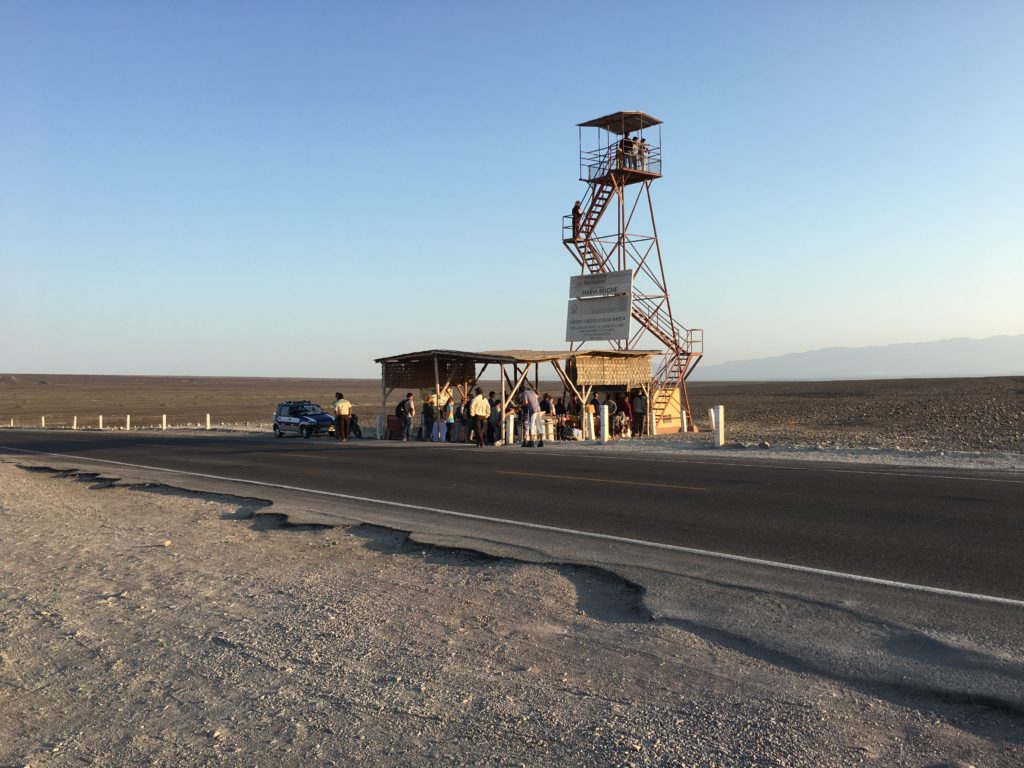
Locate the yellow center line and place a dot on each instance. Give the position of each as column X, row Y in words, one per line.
column 604, row 480
column 296, row 453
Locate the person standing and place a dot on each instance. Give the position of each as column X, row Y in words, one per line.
column 428, row 418
column 462, row 421
column 590, row 419
column 342, row 417
column 640, row 414
column 480, row 410
column 334, row 410
column 626, row 412
column 629, row 149
column 448, row 422
column 643, row 147
column 532, row 426
column 560, row 412
column 577, row 218
column 409, row 413
column 494, row 421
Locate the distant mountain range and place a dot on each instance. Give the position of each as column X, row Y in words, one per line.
column 950, row 358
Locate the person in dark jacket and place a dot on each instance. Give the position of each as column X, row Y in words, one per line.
column 428, row 418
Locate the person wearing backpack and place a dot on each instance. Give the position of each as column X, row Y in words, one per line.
column 408, row 413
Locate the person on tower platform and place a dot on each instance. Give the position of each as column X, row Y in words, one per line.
column 577, row 217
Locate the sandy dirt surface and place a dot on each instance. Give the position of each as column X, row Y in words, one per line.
column 148, row 626
column 983, row 414
column 185, row 399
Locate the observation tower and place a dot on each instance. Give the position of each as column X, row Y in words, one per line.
column 614, row 229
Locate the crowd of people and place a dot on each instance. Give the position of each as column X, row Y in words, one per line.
column 632, row 153
column 478, row 418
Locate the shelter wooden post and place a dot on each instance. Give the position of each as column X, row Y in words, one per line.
column 437, row 399
column 504, row 405
column 565, row 379
column 586, row 418
column 382, row 432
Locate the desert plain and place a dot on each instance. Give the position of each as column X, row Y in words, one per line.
column 965, row 414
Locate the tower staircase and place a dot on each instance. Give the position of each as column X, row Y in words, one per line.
column 683, row 346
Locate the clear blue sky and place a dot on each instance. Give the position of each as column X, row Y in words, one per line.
column 295, row 188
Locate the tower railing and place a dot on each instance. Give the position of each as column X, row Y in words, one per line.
column 598, row 163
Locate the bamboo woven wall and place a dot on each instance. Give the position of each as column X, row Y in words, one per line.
column 611, row 371
column 419, row 373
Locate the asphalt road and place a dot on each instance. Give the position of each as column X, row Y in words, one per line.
column 951, row 529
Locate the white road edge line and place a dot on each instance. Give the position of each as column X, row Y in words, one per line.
column 570, row 531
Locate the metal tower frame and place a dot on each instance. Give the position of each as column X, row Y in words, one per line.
column 615, row 171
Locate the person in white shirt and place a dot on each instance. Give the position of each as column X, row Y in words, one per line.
column 342, row 417
column 480, row 410
column 533, row 426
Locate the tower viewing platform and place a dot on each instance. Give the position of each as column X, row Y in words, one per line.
column 624, row 148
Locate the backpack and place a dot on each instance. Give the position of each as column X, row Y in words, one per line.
column 400, row 409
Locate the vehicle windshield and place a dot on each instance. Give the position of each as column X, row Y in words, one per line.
column 309, row 410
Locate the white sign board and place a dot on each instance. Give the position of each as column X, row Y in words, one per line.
column 603, row 284
column 603, row 319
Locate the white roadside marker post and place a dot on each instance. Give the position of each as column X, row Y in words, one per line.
column 42, row 421
column 510, row 429
column 163, row 422
column 74, row 423
column 605, row 432
column 207, row 422
column 128, row 423
column 380, row 427
column 718, row 424
column 101, row 421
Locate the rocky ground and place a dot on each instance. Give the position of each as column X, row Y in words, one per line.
column 154, row 627
column 984, row 414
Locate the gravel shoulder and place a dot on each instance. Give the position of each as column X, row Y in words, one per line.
column 147, row 626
